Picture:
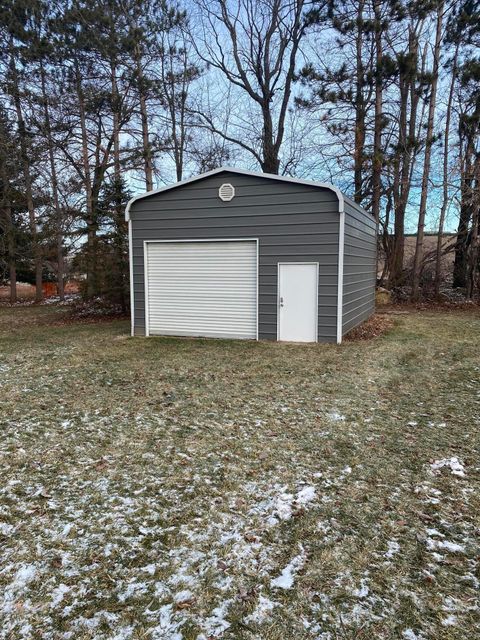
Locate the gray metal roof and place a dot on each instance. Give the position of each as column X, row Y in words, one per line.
column 269, row 176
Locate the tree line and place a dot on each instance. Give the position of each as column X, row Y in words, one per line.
column 102, row 98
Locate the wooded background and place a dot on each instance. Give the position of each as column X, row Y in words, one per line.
column 103, row 99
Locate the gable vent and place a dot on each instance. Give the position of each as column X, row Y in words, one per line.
column 226, row 192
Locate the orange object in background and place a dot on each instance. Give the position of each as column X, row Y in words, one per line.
column 49, row 289
column 72, row 286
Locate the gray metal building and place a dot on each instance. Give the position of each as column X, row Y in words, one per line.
column 237, row 254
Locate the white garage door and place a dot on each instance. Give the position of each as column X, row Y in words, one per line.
column 202, row 288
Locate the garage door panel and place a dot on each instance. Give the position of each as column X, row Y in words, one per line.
column 202, row 288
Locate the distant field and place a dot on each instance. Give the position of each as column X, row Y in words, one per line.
column 194, row 489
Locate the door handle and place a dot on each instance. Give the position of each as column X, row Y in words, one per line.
column 281, row 301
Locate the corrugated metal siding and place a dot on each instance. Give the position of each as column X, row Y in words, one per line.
column 202, row 289
column 359, row 270
column 292, row 222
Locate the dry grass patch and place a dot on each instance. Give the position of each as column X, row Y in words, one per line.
column 376, row 326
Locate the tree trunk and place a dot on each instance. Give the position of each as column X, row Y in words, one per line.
column 9, row 231
column 359, row 109
column 147, row 151
column 473, row 258
column 405, row 161
column 22, row 134
column 90, row 217
column 396, row 267
column 270, row 161
column 443, row 211
column 461, row 243
column 53, row 171
column 119, row 218
column 377, row 137
column 419, row 251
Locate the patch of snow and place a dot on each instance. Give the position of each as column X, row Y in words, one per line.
column 279, row 508
column 161, row 591
column 449, row 621
column 409, row 634
column 286, row 578
column 336, row 417
column 58, row 593
column 392, row 548
column 6, row 529
column 453, row 547
column 124, row 633
column 216, row 623
column 183, row 596
column 305, row 495
column 149, row 568
column 168, row 628
column 24, row 576
column 262, row 610
column 454, row 464
column 362, row 591
column 132, row 589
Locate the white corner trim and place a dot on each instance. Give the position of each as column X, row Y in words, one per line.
column 341, row 251
column 130, row 263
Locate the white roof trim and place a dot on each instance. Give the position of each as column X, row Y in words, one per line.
column 270, row 176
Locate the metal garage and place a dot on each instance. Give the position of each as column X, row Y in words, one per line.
column 237, row 254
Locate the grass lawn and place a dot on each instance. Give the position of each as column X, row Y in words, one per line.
column 177, row 489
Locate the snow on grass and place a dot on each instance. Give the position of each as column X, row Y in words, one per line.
column 58, row 594
column 392, row 549
column 216, row 623
column 166, row 494
column 262, row 611
column 281, row 505
column 335, row 416
column 444, row 545
column 287, row 577
column 454, row 464
column 305, row 495
column 409, row 634
column 183, row 596
column 167, row 624
column 362, row 591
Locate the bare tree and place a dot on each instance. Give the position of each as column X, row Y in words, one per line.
column 254, row 45
column 377, row 140
column 27, row 169
column 175, row 75
column 406, row 148
column 418, row 260
column 446, row 148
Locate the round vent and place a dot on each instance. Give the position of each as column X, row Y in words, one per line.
column 226, row 192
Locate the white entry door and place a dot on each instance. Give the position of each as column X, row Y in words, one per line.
column 298, row 301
